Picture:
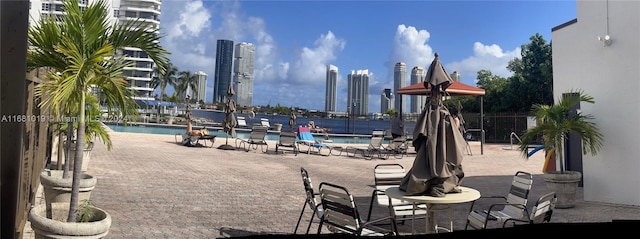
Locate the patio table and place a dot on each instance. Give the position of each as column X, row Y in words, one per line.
column 467, row 195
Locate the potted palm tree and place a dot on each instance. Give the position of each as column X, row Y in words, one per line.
column 94, row 129
column 80, row 51
column 554, row 123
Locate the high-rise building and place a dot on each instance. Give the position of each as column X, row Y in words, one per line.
column 417, row 101
column 243, row 73
column 143, row 12
column 455, row 76
column 386, row 100
column 146, row 13
column 399, row 81
column 202, row 86
column 358, row 92
column 224, row 63
column 331, row 89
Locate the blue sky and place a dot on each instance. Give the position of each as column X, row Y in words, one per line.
column 295, row 40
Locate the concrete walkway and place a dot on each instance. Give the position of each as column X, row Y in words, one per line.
column 155, row 188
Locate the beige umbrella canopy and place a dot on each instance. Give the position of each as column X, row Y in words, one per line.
column 229, row 122
column 439, row 145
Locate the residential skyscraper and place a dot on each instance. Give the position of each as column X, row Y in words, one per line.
column 330, row 94
column 358, row 92
column 386, row 100
column 143, row 12
column 455, row 76
column 399, row 81
column 243, row 73
column 417, row 101
column 202, row 86
column 224, row 63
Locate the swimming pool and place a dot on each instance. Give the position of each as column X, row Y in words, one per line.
column 271, row 135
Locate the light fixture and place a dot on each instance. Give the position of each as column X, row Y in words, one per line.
column 606, row 40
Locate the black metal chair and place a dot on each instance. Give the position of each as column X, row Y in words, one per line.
column 341, row 214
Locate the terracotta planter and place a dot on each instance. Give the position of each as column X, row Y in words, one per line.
column 56, row 227
column 565, row 184
column 58, row 189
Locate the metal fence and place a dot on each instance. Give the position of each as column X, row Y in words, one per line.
column 497, row 126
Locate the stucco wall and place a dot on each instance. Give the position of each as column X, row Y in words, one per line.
column 611, row 74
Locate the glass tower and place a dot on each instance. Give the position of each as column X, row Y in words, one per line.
column 243, row 73
column 331, row 89
column 224, row 63
column 358, row 92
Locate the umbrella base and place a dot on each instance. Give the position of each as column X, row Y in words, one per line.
column 226, row 147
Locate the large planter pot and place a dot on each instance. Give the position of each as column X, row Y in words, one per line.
column 58, row 189
column 565, row 185
column 86, row 156
column 57, row 227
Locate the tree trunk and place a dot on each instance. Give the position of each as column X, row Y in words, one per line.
column 77, row 164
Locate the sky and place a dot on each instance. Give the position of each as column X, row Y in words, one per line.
column 296, row 39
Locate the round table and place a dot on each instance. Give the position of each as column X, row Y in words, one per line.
column 467, row 195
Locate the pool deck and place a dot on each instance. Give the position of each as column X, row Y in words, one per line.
column 155, row 188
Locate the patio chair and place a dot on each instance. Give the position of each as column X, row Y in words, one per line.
column 375, row 147
column 310, row 201
column 256, row 139
column 540, row 213
column 242, row 122
column 194, row 140
column 513, row 206
column 341, row 214
column 287, row 139
column 386, row 176
column 397, row 147
column 306, row 138
column 265, row 122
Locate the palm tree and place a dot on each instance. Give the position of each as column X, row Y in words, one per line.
column 555, row 122
column 80, row 51
column 163, row 79
column 185, row 81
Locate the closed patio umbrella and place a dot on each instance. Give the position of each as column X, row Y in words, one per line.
column 437, row 168
column 229, row 122
column 292, row 119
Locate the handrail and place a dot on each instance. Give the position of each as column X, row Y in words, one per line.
column 511, row 139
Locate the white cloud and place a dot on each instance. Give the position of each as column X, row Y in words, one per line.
column 192, row 29
column 485, row 57
column 409, row 46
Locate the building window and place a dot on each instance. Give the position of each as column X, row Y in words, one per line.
column 130, row 14
column 59, row 7
column 83, row 2
column 116, row 12
column 46, row 6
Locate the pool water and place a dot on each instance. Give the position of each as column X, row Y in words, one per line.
column 173, row 130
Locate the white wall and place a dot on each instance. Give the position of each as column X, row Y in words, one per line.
column 611, row 74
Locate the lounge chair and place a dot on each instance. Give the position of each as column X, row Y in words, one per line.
column 513, row 206
column 194, row 140
column 375, row 147
column 341, row 214
column 287, row 139
column 242, row 122
column 397, row 147
column 256, row 138
column 265, row 122
column 306, row 138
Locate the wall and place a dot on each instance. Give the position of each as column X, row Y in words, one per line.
column 610, row 74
